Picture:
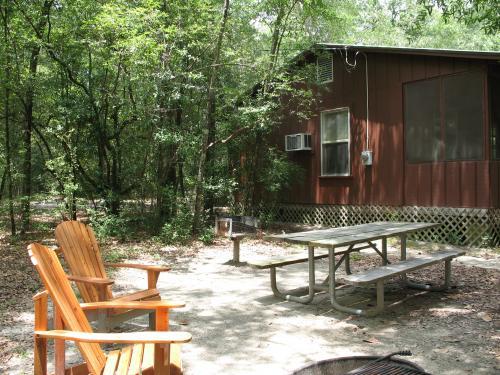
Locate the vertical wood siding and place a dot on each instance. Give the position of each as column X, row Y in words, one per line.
column 391, row 180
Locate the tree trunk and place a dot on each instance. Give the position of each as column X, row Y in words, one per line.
column 27, row 133
column 28, row 125
column 210, row 124
column 8, row 161
column 279, row 27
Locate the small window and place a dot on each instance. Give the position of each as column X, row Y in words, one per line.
column 325, row 67
column 335, row 130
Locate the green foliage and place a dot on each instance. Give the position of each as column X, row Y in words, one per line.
column 119, row 254
column 279, row 173
column 207, row 236
column 119, row 94
column 106, row 225
column 179, row 229
column 483, row 13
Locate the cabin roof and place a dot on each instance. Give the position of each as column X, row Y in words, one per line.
column 469, row 54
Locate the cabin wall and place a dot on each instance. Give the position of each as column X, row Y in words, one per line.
column 390, row 181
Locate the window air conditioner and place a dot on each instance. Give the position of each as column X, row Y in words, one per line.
column 297, row 142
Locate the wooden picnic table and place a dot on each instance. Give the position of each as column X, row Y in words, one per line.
column 346, row 240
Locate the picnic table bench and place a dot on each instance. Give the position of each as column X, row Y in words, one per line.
column 343, row 241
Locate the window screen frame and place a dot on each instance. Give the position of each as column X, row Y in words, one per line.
column 484, row 129
column 442, row 149
column 348, row 141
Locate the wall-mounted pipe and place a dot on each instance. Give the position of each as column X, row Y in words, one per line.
column 350, row 67
column 367, row 104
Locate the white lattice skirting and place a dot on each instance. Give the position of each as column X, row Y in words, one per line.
column 460, row 226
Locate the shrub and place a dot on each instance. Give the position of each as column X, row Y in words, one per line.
column 207, row 236
column 178, row 229
column 106, row 225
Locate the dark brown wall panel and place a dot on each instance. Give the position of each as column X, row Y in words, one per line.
column 390, row 181
column 483, row 190
column 424, row 185
column 453, row 181
column 494, row 168
column 468, row 184
column 411, row 180
column 438, row 188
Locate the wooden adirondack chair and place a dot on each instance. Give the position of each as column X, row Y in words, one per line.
column 151, row 352
column 79, row 246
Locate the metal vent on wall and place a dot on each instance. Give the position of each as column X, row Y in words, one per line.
column 325, row 67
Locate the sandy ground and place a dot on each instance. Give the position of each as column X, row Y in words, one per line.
column 240, row 328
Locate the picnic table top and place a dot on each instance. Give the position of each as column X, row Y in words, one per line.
column 345, row 236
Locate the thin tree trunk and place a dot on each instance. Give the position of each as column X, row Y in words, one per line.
column 28, row 128
column 8, row 160
column 210, row 124
column 280, row 25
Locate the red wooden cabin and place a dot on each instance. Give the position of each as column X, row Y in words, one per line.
column 429, row 119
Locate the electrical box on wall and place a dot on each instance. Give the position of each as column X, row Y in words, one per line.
column 367, row 157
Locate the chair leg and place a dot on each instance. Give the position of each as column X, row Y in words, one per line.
column 41, row 324
column 162, row 352
column 102, row 321
column 175, row 360
column 59, row 345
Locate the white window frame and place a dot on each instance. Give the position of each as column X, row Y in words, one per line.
column 348, row 140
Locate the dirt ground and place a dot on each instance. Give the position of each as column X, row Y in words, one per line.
column 239, row 327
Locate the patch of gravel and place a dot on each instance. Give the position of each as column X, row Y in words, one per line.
column 239, row 327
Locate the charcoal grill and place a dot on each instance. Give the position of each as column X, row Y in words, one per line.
column 363, row 365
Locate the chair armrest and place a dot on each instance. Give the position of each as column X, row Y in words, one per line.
column 40, row 295
column 139, row 266
column 147, row 337
column 133, row 305
column 57, row 250
column 90, row 280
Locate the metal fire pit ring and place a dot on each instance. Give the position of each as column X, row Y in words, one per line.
column 342, row 365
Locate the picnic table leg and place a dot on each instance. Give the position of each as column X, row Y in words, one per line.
column 384, row 251
column 447, row 273
column 347, row 262
column 333, row 299
column 311, row 287
column 403, row 246
column 437, row 288
column 403, row 255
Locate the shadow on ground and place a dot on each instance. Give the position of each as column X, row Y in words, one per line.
column 239, row 327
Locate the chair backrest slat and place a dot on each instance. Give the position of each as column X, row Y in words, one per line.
column 53, row 277
column 81, row 251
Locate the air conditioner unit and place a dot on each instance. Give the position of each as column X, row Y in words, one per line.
column 297, row 142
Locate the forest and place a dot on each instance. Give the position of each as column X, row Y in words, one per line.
column 137, row 112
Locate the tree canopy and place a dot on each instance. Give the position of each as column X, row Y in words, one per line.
column 153, row 101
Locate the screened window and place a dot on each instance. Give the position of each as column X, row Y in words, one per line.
column 463, row 117
column 494, row 86
column 335, row 132
column 444, row 118
column 422, row 121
